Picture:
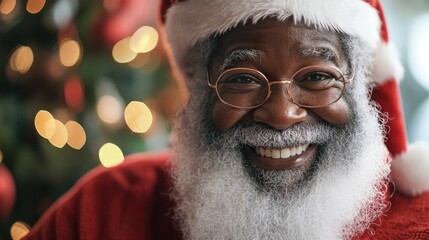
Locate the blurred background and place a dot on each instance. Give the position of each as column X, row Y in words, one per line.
column 83, row 83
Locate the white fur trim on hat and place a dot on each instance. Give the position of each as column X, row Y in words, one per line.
column 386, row 64
column 189, row 21
column 410, row 170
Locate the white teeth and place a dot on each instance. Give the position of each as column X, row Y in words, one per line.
column 275, row 153
column 285, row 153
column 267, row 152
column 299, row 150
column 281, row 153
column 293, row 151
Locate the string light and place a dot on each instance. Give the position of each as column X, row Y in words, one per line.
column 121, row 51
column 76, row 135
column 41, row 121
column 7, row 6
column 138, row 117
column 144, row 39
column 19, row 230
column 59, row 136
column 35, row 6
column 110, row 155
column 70, row 52
column 109, row 109
column 22, row 59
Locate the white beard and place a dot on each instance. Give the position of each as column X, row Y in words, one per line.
column 337, row 198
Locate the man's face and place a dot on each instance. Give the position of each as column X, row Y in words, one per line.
column 278, row 50
column 225, row 190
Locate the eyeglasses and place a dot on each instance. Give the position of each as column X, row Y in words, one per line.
column 310, row 87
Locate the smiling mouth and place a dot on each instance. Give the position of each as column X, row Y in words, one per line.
column 281, row 158
column 281, row 153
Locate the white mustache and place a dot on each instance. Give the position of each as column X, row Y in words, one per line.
column 302, row 134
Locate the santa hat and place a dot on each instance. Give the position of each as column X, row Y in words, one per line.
column 189, row 21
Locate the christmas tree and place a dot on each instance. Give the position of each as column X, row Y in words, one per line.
column 82, row 83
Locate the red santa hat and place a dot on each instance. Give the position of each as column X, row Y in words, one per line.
column 189, row 21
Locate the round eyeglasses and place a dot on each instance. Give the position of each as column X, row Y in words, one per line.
column 310, row 87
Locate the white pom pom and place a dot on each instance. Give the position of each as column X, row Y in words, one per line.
column 410, row 170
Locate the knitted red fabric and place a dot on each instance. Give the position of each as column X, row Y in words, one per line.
column 131, row 202
column 126, row 202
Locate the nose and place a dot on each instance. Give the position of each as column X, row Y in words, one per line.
column 279, row 111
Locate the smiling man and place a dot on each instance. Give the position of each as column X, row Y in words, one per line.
column 282, row 136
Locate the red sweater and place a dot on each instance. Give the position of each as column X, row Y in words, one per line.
column 131, row 202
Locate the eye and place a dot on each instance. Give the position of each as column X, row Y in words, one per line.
column 244, row 79
column 317, row 77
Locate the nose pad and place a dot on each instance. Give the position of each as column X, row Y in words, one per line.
column 279, row 111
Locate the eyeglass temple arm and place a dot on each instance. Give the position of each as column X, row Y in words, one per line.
column 208, row 81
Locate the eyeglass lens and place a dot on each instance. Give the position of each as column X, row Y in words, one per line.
column 310, row 87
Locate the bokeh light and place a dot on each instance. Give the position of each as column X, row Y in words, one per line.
column 7, row 6
column 110, row 155
column 19, row 230
column 73, row 93
column 1, row 156
column 59, row 136
column 70, row 52
column 22, row 59
column 121, row 51
column 109, row 109
column 62, row 13
column 76, row 135
column 144, row 39
column 41, row 121
column 35, row 6
column 138, row 117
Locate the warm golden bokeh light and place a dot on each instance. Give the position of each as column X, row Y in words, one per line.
column 22, row 59
column 109, row 109
column 1, row 156
column 59, row 136
column 7, row 6
column 19, row 230
column 122, row 53
column 138, row 117
column 70, row 52
column 144, row 39
column 76, row 135
column 41, row 123
column 110, row 155
column 35, row 6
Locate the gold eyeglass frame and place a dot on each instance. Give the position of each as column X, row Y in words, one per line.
column 214, row 86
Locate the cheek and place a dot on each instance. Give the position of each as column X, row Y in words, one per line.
column 337, row 114
column 224, row 117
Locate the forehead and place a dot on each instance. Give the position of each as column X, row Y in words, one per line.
column 276, row 37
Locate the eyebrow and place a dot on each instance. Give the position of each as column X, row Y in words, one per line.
column 325, row 53
column 239, row 55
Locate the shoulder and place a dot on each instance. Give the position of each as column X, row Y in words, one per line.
column 137, row 169
column 111, row 203
column 408, row 218
column 140, row 173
